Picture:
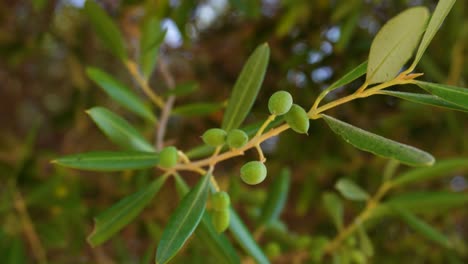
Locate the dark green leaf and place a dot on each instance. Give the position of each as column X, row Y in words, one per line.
column 451, row 94
column 122, row 213
column 422, row 227
column 276, row 199
column 245, row 239
column 442, row 9
column 378, row 145
column 334, row 207
column 120, row 93
column 197, row 109
column 246, row 88
column 183, row 89
column 109, row 161
column 441, row 168
column 106, row 29
column 151, row 39
column 395, row 43
column 183, row 221
column 424, row 99
column 118, row 130
column 351, row 190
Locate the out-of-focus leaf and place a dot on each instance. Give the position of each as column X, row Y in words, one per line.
column 218, row 244
column 246, row 89
column 334, row 207
column 120, row 93
column 183, row 89
column 245, row 239
column 183, row 221
column 106, row 29
column 151, row 39
column 395, row 43
column 109, row 161
column 422, row 227
column 250, row 8
column 276, row 199
column 442, row 9
column 15, row 253
column 426, row 99
column 351, row 190
column 118, row 130
column 440, row 169
column 379, row 145
column 365, row 243
column 197, row 109
column 451, row 94
column 122, row 213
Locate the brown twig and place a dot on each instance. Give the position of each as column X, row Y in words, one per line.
column 166, row 110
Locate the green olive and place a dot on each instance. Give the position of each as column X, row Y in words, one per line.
column 214, row 137
column 220, row 220
column 280, row 103
column 168, row 157
column 297, row 119
column 253, row 172
column 220, row 201
column 236, row 138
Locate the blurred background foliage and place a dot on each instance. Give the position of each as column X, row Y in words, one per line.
column 45, row 46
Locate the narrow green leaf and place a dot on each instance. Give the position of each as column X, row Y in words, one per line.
column 151, row 39
column 183, row 221
column 347, row 78
column 246, row 88
column 351, row 190
column 451, row 94
column 122, row 213
column 218, row 244
column 106, row 29
column 442, row 9
column 183, row 89
column 422, row 227
column 441, row 168
column 365, row 243
column 120, row 93
column 243, row 236
column 424, row 99
column 276, row 199
column 378, row 145
column 334, row 207
column 395, row 43
column 197, row 109
column 118, row 130
column 109, row 161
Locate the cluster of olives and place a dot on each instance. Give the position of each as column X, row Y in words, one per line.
column 217, row 137
column 220, row 203
column 281, row 103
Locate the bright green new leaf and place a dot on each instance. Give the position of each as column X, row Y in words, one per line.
column 120, row 93
column 395, row 43
column 442, row 9
column 183, row 221
column 334, row 207
column 379, row 145
column 106, row 29
column 424, row 99
column 451, row 94
column 197, row 109
column 243, row 236
column 109, row 161
column 246, row 88
column 276, row 199
column 118, row 130
column 351, row 190
column 218, row 244
column 151, row 39
column 122, row 213
column 422, row 227
column 441, row 168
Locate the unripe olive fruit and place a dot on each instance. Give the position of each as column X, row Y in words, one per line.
column 253, row 172
column 297, row 119
column 280, row 103
column 220, row 201
column 168, row 157
column 236, row 138
column 220, row 220
column 214, row 137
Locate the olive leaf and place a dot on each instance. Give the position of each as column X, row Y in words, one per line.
column 395, row 43
column 426, row 99
column 276, row 199
column 351, row 190
column 151, row 39
column 451, row 94
column 334, row 207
